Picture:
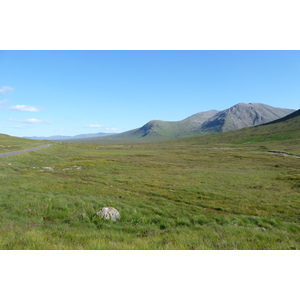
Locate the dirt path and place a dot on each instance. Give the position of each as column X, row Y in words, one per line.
column 23, row 151
column 284, row 154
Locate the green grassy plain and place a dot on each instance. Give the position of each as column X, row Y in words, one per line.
column 224, row 191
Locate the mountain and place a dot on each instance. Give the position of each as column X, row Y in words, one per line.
column 172, row 129
column 295, row 117
column 236, row 117
column 281, row 135
column 63, row 137
column 243, row 115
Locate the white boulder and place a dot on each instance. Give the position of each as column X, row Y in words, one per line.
column 109, row 213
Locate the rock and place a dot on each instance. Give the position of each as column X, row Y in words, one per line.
column 109, row 213
column 48, row 168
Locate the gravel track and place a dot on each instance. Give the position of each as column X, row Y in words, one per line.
column 23, row 151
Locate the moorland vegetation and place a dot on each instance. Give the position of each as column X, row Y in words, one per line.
column 232, row 190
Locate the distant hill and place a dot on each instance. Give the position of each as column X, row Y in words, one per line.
column 236, row 117
column 62, row 137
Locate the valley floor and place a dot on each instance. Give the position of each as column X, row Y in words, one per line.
column 170, row 196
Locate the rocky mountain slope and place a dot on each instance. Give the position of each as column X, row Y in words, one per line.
column 236, row 117
column 243, row 115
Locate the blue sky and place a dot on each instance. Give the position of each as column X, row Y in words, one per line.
column 44, row 93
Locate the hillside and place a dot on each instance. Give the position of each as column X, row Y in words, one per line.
column 292, row 116
column 213, row 121
column 172, row 129
column 11, row 143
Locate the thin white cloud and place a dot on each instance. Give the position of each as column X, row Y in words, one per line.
column 104, row 127
column 112, row 129
column 26, row 108
column 95, row 126
column 21, row 126
column 3, row 101
column 31, row 121
column 5, row 89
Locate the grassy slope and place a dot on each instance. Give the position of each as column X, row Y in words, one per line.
column 224, row 191
column 11, row 144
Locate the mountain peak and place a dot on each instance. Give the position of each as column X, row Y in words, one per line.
column 244, row 115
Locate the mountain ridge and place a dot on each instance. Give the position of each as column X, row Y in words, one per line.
column 65, row 137
column 236, row 117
